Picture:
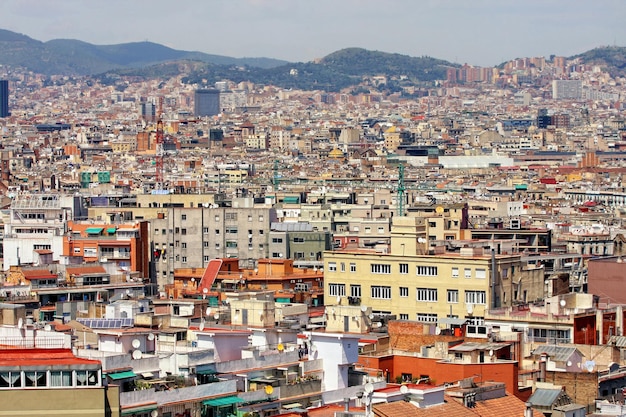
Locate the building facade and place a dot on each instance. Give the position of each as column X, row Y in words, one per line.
column 206, row 102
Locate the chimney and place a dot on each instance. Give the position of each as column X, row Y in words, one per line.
column 528, row 412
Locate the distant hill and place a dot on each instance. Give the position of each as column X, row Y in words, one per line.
column 337, row 71
column 73, row 57
column 613, row 58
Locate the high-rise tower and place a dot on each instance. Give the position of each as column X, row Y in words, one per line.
column 4, row 98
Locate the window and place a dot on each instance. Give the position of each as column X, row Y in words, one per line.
column 381, row 292
column 342, row 267
column 60, row 378
column 217, row 231
column 404, row 316
column 404, row 291
column 184, row 245
column 11, row 379
column 261, row 218
column 249, row 217
column 468, row 272
column 184, row 259
column 481, row 273
column 230, row 216
column 426, row 294
column 231, row 244
column 298, row 240
column 277, row 240
column 475, row 297
column 380, row 268
column 261, row 231
column 453, row 296
column 432, row 224
column 86, row 378
column 183, row 231
column 455, row 272
column 381, row 230
column 217, row 246
column 205, row 230
column 352, row 267
column 337, row 290
column 332, row 266
column 368, row 229
column 426, row 271
column 205, row 244
column 231, row 230
column 404, row 268
column 183, row 217
column 355, row 291
column 206, row 258
column 40, row 378
column 427, row 317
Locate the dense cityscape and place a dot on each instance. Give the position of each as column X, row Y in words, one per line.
column 202, row 247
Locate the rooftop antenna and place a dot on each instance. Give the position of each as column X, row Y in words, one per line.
column 401, row 190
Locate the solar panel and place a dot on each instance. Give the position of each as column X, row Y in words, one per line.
column 107, row 323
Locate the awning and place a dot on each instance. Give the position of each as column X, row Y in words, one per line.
column 139, row 409
column 292, row 405
column 291, row 200
column 147, row 375
column 122, row 375
column 218, row 402
column 94, row 230
column 206, row 371
column 111, row 230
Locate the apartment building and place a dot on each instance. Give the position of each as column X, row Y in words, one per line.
column 415, row 286
column 191, row 237
column 36, row 223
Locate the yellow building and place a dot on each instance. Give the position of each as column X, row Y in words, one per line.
column 426, row 287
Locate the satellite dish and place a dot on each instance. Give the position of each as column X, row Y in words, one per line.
column 562, row 303
column 151, row 336
column 137, row 354
column 569, row 363
column 208, row 311
column 338, row 299
column 154, row 413
column 371, row 316
column 20, row 323
column 364, row 308
column 136, row 343
column 216, row 316
column 269, row 389
column 201, row 327
column 47, row 327
column 589, row 365
column 437, row 331
column 368, row 388
column 439, row 210
column 421, row 240
column 490, row 352
column 205, row 290
column 280, row 347
column 404, row 389
column 379, row 324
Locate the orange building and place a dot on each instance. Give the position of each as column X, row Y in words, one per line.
column 127, row 245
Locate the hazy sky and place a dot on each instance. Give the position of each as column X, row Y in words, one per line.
column 478, row 32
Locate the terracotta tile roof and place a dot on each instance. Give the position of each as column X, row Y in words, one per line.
column 449, row 408
column 86, row 270
column 36, row 357
column 38, row 274
column 509, row 405
column 329, row 410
